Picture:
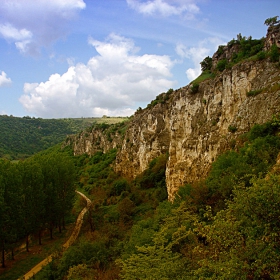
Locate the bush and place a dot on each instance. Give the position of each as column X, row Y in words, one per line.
column 261, row 55
column 221, row 65
column 232, row 128
column 194, row 88
column 253, row 92
column 119, row 186
column 274, row 53
column 206, row 64
column 154, row 176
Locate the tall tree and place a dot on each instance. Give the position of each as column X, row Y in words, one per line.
column 58, row 179
column 33, row 199
column 11, row 209
column 65, row 186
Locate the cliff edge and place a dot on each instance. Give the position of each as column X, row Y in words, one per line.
column 196, row 123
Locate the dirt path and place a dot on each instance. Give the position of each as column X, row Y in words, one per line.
column 68, row 243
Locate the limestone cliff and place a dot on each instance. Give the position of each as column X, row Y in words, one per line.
column 193, row 127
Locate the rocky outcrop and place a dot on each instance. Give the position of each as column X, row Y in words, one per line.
column 95, row 139
column 195, row 128
column 272, row 36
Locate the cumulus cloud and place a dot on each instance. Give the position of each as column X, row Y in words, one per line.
column 32, row 24
column 4, row 80
column 164, row 7
column 113, row 83
column 197, row 54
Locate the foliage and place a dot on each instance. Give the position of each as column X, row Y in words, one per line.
column 232, row 128
column 243, row 240
column 35, row 194
column 163, row 257
column 254, row 159
column 274, row 53
column 245, row 48
column 261, row 55
column 221, row 65
column 96, row 169
column 23, row 137
column 204, row 76
column 194, row 88
column 154, row 176
column 206, row 64
column 271, row 21
column 254, row 92
column 225, row 227
column 161, row 98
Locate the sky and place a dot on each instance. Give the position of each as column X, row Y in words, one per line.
column 90, row 58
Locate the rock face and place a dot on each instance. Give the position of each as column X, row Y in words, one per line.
column 95, row 139
column 272, row 36
column 193, row 128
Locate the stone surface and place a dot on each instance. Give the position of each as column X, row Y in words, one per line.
column 192, row 128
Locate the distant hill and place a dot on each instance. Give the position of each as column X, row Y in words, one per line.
column 23, row 137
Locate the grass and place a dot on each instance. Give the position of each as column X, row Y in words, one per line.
column 254, row 92
column 108, row 120
column 204, row 76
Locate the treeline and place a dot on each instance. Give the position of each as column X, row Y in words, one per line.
column 23, row 137
column 35, row 195
column 224, row 227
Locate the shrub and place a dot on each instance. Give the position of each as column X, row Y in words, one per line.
column 232, row 128
column 261, row 55
column 274, row 53
column 221, row 65
column 119, row 186
column 220, row 50
column 254, row 92
column 206, row 64
column 194, row 88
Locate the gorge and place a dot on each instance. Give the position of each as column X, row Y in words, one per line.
column 196, row 123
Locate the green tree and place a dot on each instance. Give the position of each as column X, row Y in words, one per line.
column 164, row 257
column 274, row 53
column 33, row 199
column 58, row 184
column 11, row 210
column 243, row 240
column 65, row 186
column 206, row 64
column 271, row 21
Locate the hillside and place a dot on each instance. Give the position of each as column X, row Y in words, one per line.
column 239, row 87
column 187, row 188
column 22, row 137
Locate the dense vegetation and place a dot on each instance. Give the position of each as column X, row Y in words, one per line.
column 224, row 227
column 35, row 195
column 23, row 137
column 242, row 48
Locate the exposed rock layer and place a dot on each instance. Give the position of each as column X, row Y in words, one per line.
column 192, row 128
column 195, row 128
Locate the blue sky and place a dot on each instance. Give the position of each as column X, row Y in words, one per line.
column 89, row 58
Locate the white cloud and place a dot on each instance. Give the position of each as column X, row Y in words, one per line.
column 10, row 32
column 32, row 24
column 111, row 83
column 164, row 7
column 4, row 80
column 197, row 54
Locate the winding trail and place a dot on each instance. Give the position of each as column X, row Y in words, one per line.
column 68, row 243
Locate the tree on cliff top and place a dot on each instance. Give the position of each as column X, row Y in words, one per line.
column 272, row 21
